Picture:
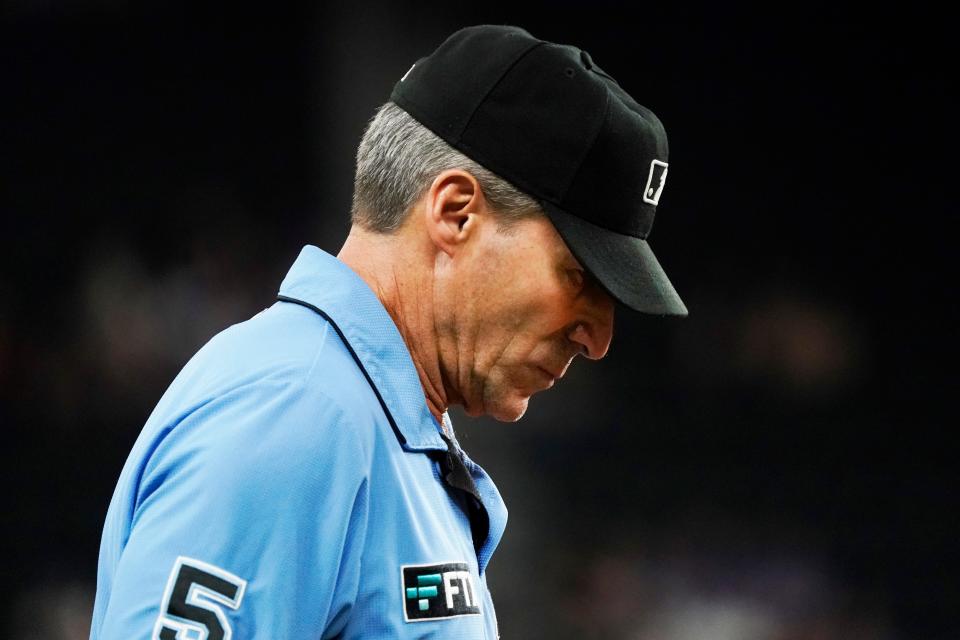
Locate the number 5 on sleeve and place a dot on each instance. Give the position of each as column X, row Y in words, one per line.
column 192, row 602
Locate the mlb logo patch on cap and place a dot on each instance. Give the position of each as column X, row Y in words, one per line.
column 655, row 181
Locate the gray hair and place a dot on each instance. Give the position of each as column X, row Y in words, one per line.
column 397, row 160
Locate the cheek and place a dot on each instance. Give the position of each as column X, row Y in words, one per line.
column 532, row 328
column 515, row 305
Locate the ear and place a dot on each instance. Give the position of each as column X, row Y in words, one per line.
column 452, row 204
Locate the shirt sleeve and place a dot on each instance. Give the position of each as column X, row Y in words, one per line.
column 249, row 522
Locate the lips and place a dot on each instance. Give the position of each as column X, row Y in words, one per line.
column 548, row 379
column 554, row 373
column 548, row 373
column 557, row 372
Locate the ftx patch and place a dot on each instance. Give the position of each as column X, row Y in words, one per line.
column 437, row 591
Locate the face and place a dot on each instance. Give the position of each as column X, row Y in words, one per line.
column 523, row 308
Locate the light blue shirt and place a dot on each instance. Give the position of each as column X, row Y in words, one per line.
column 292, row 483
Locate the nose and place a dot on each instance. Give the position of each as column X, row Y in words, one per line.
column 595, row 330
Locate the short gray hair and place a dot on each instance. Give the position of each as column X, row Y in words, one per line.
column 397, row 160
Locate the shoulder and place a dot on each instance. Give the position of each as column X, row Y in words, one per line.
column 276, row 440
column 285, row 345
column 279, row 395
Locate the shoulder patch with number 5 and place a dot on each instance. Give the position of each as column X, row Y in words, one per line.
column 193, row 602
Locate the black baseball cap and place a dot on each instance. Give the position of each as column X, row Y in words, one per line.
column 547, row 119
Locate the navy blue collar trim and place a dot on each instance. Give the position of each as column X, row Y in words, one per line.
column 356, row 358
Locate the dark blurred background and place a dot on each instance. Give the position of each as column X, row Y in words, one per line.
column 776, row 466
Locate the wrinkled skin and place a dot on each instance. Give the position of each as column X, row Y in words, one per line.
column 517, row 309
column 491, row 313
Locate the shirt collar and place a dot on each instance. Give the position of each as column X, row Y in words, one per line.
column 320, row 281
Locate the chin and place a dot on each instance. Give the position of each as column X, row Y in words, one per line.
column 500, row 400
column 508, row 409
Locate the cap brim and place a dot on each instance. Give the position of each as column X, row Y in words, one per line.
column 624, row 265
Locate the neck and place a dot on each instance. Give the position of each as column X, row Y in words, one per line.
column 399, row 272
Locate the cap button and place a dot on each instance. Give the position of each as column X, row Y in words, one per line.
column 585, row 58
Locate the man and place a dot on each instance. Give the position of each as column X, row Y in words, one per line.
column 301, row 478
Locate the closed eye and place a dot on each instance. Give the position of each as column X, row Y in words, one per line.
column 576, row 278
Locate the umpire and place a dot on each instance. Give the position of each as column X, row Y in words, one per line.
column 300, row 478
